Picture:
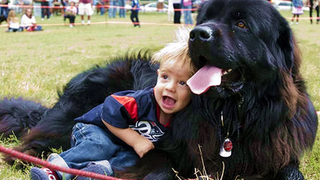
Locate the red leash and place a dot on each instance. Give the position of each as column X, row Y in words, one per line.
column 41, row 162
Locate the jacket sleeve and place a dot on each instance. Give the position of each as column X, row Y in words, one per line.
column 120, row 111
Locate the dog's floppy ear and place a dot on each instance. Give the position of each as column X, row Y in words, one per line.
column 291, row 77
column 286, row 44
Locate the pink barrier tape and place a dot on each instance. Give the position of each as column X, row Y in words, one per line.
column 107, row 22
column 98, row 6
column 41, row 162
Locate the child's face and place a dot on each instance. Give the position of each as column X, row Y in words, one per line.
column 28, row 12
column 171, row 92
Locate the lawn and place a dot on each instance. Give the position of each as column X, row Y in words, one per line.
column 37, row 64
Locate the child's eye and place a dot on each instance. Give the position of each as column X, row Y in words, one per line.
column 182, row 83
column 164, row 76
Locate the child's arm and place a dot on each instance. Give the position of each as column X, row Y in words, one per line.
column 140, row 144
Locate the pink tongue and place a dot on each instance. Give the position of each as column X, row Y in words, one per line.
column 169, row 101
column 204, row 78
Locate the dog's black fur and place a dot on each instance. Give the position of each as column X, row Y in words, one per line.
column 266, row 109
column 2, row 19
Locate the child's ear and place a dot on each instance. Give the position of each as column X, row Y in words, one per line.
column 158, row 72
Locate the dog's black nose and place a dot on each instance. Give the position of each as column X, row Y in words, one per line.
column 202, row 33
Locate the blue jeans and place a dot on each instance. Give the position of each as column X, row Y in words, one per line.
column 122, row 10
column 113, row 10
column 37, row 9
column 102, row 10
column 187, row 15
column 91, row 143
column 4, row 11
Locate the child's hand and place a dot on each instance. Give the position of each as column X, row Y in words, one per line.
column 143, row 146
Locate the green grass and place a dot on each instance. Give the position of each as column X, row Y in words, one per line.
column 37, row 64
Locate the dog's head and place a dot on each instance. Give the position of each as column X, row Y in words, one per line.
column 239, row 43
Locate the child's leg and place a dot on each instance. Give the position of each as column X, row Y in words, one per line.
column 293, row 17
column 123, row 159
column 89, row 144
column 72, row 18
column 67, row 17
column 100, row 167
column 120, row 161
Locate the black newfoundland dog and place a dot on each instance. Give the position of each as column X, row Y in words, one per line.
column 256, row 124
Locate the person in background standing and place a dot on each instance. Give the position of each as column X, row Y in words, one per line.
column 101, row 7
column 45, row 10
column 85, row 7
column 296, row 10
column 64, row 4
column 310, row 5
column 112, row 8
column 18, row 8
column 4, row 10
column 187, row 7
column 177, row 11
column 122, row 10
column 25, row 4
column 134, row 13
column 313, row 4
column 316, row 7
column 36, row 8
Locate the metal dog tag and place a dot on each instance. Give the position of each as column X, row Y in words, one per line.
column 225, row 150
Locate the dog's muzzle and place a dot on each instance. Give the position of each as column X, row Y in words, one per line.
column 201, row 33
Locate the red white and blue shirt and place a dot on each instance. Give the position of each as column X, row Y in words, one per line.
column 135, row 109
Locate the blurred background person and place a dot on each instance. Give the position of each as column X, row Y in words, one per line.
column 28, row 21
column 122, row 10
column 45, row 9
column 313, row 4
column 18, row 7
column 134, row 13
column 4, row 10
column 296, row 10
column 100, row 5
column 70, row 13
column 13, row 22
column 177, row 11
column 187, row 8
column 37, row 12
column 85, row 8
column 113, row 8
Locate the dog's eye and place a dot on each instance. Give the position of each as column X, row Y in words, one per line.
column 241, row 24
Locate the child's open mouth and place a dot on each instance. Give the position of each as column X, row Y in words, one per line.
column 168, row 102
